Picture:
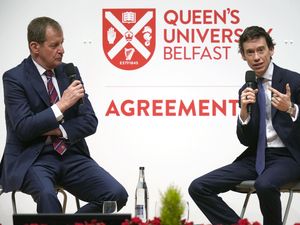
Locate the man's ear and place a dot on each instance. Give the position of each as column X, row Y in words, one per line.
column 34, row 47
column 272, row 52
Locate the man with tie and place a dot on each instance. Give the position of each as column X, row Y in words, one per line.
column 270, row 131
column 47, row 120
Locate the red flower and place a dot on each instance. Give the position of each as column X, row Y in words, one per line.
column 243, row 222
column 155, row 221
column 188, row 223
column 257, row 223
column 126, row 222
column 136, row 221
column 184, row 222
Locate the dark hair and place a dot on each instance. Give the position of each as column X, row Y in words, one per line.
column 255, row 32
column 36, row 30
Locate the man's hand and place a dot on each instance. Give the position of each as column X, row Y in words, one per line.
column 55, row 132
column 70, row 96
column 279, row 100
column 248, row 96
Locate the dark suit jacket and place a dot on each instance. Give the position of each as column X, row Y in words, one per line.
column 287, row 130
column 28, row 115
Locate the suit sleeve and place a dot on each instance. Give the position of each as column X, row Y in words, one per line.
column 27, row 124
column 80, row 120
column 247, row 133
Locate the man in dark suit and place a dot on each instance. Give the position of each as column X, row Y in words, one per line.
column 44, row 113
column 280, row 137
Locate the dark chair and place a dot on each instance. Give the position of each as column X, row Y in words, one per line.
column 58, row 189
column 248, row 188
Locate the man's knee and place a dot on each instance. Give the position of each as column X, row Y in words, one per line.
column 121, row 196
column 263, row 186
column 44, row 195
column 196, row 188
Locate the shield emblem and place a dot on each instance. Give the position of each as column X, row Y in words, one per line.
column 128, row 36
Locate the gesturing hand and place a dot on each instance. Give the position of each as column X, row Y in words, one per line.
column 279, row 100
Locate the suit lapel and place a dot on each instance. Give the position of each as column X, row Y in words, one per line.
column 36, row 81
column 62, row 79
column 277, row 84
column 38, row 84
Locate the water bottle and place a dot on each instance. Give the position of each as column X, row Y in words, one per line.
column 141, row 197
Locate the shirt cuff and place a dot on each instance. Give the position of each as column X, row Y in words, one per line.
column 246, row 120
column 296, row 113
column 63, row 131
column 58, row 114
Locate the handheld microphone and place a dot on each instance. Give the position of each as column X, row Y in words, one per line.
column 69, row 69
column 250, row 79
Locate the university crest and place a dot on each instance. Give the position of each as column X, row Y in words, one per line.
column 128, row 36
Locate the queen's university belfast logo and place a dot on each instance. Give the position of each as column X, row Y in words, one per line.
column 128, row 36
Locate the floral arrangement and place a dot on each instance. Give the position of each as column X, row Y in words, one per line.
column 155, row 221
column 170, row 213
column 172, row 210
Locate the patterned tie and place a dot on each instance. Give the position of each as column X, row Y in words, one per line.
column 261, row 144
column 58, row 143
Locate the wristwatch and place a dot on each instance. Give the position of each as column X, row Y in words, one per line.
column 291, row 109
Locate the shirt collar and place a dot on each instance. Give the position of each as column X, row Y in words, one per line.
column 39, row 67
column 269, row 73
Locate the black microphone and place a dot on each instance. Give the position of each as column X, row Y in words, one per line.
column 250, row 79
column 69, row 69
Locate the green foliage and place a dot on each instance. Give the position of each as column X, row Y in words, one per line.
column 172, row 207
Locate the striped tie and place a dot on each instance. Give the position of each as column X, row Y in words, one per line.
column 58, row 143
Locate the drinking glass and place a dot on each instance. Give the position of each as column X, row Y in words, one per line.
column 109, row 207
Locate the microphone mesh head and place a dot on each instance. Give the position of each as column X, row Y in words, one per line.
column 250, row 76
column 69, row 69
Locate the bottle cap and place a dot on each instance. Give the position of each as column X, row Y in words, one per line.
column 142, row 168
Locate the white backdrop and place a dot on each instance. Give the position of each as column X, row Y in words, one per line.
column 173, row 149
